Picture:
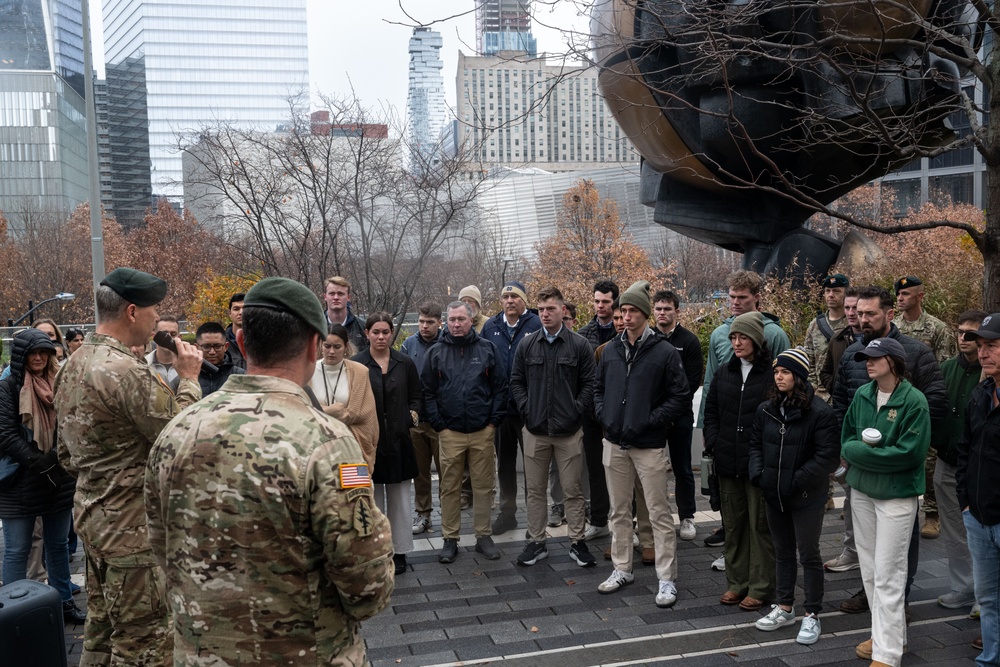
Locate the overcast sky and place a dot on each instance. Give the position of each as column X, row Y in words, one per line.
column 364, row 43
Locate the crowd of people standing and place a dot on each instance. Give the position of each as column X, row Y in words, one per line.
column 274, row 458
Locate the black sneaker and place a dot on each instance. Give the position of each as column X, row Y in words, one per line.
column 449, row 552
column 717, row 538
column 399, row 560
column 485, row 546
column 581, row 554
column 533, row 552
column 73, row 614
column 504, row 522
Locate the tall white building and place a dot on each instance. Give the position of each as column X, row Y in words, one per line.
column 425, row 104
column 514, row 110
column 176, row 66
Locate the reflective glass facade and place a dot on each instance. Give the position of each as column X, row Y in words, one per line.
column 504, row 25
column 425, row 105
column 43, row 155
column 188, row 64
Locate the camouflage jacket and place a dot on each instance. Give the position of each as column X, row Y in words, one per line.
column 931, row 331
column 110, row 407
column 262, row 516
column 815, row 346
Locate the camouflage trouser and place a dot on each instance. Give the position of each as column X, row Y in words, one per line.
column 128, row 620
column 930, row 498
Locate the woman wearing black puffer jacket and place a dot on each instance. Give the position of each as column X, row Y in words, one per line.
column 40, row 486
column 794, row 446
column 736, row 390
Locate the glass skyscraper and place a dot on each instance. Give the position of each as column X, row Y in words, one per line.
column 43, row 148
column 175, row 68
column 425, row 106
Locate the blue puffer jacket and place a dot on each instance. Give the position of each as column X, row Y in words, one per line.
column 27, row 493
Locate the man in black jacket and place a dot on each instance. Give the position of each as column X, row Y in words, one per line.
column 641, row 392
column 666, row 308
column 465, row 399
column 976, row 478
column 875, row 314
column 211, row 338
column 598, row 331
column 552, row 384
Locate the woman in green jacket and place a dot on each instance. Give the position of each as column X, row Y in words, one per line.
column 884, row 441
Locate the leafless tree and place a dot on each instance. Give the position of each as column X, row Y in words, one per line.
column 329, row 194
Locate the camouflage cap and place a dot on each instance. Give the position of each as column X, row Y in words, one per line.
column 136, row 287
column 288, row 296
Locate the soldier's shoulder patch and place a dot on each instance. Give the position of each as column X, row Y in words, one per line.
column 353, row 475
column 364, row 521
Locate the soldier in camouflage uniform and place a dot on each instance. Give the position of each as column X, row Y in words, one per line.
column 913, row 320
column 261, row 510
column 110, row 408
column 824, row 328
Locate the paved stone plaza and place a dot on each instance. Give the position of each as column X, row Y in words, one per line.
column 478, row 612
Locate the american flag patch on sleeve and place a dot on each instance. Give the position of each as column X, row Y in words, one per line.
column 353, row 475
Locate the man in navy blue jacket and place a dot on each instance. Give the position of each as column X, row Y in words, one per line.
column 506, row 330
column 465, row 399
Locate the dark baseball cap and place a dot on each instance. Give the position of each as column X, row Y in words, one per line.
column 881, row 347
column 989, row 329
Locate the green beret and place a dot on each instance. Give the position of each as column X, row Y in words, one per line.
column 836, row 280
column 908, row 281
column 136, row 287
column 287, row 296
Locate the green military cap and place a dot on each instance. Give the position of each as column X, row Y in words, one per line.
column 836, row 280
column 287, row 296
column 908, row 281
column 136, row 287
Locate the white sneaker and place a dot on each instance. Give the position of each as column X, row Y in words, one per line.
column 845, row 562
column 719, row 564
column 420, row 524
column 617, row 580
column 667, row 595
column 593, row 532
column 635, row 540
column 975, row 611
column 776, row 618
column 809, row 631
column 687, row 532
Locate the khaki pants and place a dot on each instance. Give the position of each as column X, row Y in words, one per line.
column 128, row 619
column 425, row 447
column 454, row 449
column 621, row 467
column 567, row 452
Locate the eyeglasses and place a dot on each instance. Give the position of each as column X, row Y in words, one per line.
column 212, row 347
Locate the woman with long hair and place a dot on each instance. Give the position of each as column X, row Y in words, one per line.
column 342, row 388
column 51, row 329
column 39, row 487
column 398, row 399
column 794, row 446
column 884, row 441
column 737, row 388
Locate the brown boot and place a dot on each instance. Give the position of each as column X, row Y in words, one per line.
column 977, row 643
column 932, row 527
column 648, row 555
